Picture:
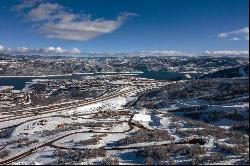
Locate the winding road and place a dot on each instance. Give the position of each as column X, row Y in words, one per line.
column 65, row 107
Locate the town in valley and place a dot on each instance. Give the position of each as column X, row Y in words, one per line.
column 94, row 82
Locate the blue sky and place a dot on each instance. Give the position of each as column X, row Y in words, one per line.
column 125, row 25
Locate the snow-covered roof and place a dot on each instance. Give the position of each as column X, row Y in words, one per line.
column 141, row 117
column 5, row 87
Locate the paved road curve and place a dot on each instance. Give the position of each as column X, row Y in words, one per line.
column 49, row 143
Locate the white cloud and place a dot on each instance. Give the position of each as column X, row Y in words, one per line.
column 235, row 38
column 219, row 53
column 56, row 21
column 226, row 53
column 57, row 50
column 162, row 52
column 61, row 51
column 45, row 11
column 222, row 35
column 22, row 49
column 239, row 34
column 82, row 29
column 2, row 47
column 25, row 4
column 73, row 51
column 48, row 50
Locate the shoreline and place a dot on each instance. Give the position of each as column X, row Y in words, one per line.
column 42, row 76
column 125, row 72
column 62, row 75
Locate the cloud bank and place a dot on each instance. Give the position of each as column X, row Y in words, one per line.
column 239, row 34
column 56, row 21
column 226, row 53
column 75, row 51
column 48, row 50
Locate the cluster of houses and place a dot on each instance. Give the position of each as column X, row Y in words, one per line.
column 10, row 97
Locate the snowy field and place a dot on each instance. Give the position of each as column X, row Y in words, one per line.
column 112, row 132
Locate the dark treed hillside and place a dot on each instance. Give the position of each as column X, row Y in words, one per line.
column 240, row 71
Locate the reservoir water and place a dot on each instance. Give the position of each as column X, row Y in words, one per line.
column 19, row 82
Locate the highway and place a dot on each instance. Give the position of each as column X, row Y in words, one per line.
column 69, row 105
column 66, row 106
